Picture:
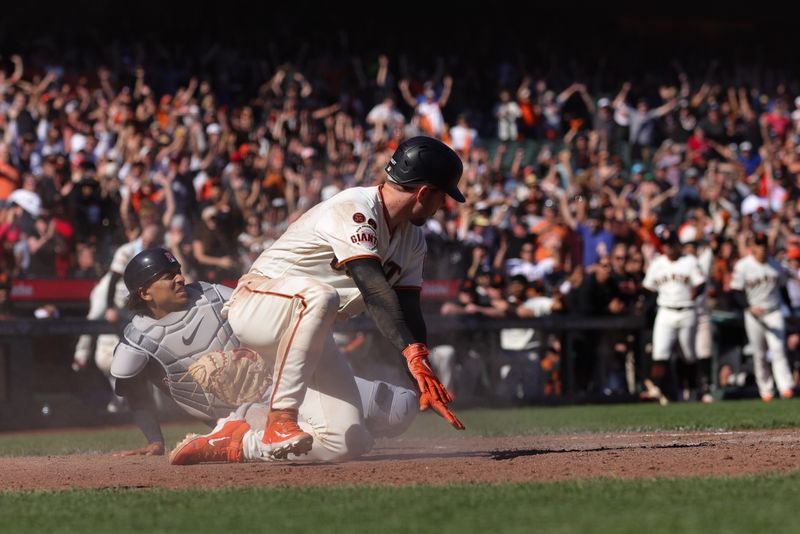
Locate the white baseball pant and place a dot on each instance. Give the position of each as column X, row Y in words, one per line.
column 97, row 310
column 704, row 337
column 288, row 321
column 768, row 332
column 672, row 324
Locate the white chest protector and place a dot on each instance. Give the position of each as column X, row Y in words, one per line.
column 207, row 372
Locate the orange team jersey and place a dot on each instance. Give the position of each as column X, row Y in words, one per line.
column 528, row 116
column 9, row 180
column 549, row 237
column 274, row 180
column 137, row 197
column 647, row 233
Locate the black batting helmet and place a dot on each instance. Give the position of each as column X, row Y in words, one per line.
column 146, row 266
column 426, row 161
column 668, row 236
column 761, row 239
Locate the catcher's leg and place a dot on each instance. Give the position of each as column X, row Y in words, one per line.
column 388, row 409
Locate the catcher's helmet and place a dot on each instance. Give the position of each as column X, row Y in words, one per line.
column 147, row 265
column 426, row 161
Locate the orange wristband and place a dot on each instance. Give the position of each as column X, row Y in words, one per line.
column 415, row 350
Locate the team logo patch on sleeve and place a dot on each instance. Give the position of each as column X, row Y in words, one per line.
column 366, row 237
column 372, row 223
column 359, row 218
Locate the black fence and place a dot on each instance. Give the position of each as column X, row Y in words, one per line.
column 39, row 388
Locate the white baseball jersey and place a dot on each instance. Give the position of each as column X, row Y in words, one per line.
column 527, row 338
column 674, row 280
column 348, row 226
column 706, row 260
column 432, row 112
column 124, row 254
column 761, row 282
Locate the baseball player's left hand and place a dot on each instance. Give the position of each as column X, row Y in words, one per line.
column 151, row 449
column 417, row 359
column 425, row 402
column 432, row 393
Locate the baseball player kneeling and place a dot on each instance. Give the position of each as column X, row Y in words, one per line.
column 361, row 249
column 759, row 284
column 180, row 342
column 678, row 280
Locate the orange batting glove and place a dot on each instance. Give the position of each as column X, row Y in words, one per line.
column 432, row 393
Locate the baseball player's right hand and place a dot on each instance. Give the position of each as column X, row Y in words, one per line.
column 432, row 393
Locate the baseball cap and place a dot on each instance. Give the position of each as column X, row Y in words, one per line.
column 521, row 279
column 745, row 145
column 793, row 253
column 498, row 280
column 688, row 234
column 481, row 220
column 760, row 238
column 483, row 270
column 603, row 102
column 208, row 213
column 666, row 234
column 213, row 129
column 637, row 168
column 27, row 200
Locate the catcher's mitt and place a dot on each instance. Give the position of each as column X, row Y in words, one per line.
column 235, row 377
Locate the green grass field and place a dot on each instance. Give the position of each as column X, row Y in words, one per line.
column 748, row 504
column 730, row 505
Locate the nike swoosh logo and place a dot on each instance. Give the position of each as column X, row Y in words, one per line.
column 188, row 340
column 214, row 441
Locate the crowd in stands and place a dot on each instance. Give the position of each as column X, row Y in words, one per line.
column 569, row 182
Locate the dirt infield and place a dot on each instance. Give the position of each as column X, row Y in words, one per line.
column 406, row 461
